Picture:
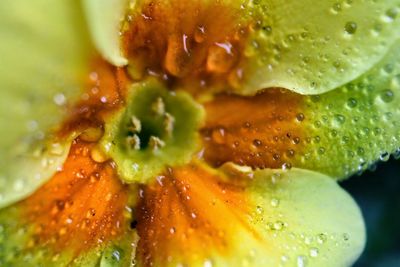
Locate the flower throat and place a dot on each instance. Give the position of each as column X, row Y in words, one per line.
column 187, row 44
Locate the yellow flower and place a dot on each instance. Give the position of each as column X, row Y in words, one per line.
column 191, row 133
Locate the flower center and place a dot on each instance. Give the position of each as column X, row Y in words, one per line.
column 157, row 128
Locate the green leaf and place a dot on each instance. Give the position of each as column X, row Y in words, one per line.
column 196, row 216
column 314, row 46
column 158, row 128
column 44, row 52
column 104, row 19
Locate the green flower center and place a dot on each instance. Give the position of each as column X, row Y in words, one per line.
column 157, row 128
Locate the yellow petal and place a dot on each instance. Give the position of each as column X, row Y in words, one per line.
column 198, row 217
column 44, row 53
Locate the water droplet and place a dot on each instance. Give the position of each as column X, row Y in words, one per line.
column 208, row 263
column 274, row 202
column 98, row 155
column 116, row 255
column 350, row 27
column 346, row 237
column 321, row 238
column 267, row 29
column 336, row 8
column 351, row 103
column 300, row 117
column 286, row 166
column 384, row 156
column 396, row 153
column 391, row 14
column 339, row 119
column 257, row 142
column 387, row 96
column 278, row 225
column 218, row 135
column 314, row 252
column 259, row 210
column 284, row 258
column 301, row 261
column 59, row 99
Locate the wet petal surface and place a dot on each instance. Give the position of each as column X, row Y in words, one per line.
column 337, row 133
column 312, row 47
column 201, row 217
column 44, row 57
column 308, row 47
column 71, row 218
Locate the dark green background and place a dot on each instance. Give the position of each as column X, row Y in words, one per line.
column 378, row 194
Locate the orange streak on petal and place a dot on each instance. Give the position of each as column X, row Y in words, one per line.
column 262, row 131
column 106, row 89
column 188, row 214
column 197, row 42
column 81, row 206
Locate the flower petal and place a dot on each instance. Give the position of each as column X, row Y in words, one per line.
column 309, row 47
column 199, row 217
column 71, row 218
column 104, row 19
column 337, row 133
column 312, row 47
column 43, row 56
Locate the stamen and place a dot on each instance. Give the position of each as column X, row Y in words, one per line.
column 135, row 125
column 158, row 107
column 133, row 142
column 169, row 122
column 156, row 143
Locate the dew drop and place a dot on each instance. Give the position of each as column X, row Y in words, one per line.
column 384, row 156
column 346, row 237
column 387, row 96
column 391, row 14
column 284, row 258
column 278, row 225
column 259, row 210
column 208, row 263
column 396, row 154
column 350, row 27
column 300, row 117
column 336, row 8
column 257, row 142
column 274, row 202
column 321, row 238
column 351, row 103
column 218, row 135
column 314, row 252
column 339, row 119
column 116, row 255
column 59, row 99
column 301, row 261
column 286, row 166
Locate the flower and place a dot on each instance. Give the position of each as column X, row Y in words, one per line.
column 205, row 134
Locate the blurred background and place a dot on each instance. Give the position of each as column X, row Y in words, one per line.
column 378, row 194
